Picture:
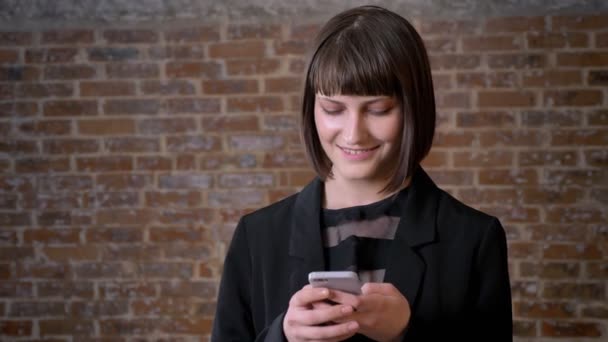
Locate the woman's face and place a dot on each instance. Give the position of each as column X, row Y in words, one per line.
column 359, row 134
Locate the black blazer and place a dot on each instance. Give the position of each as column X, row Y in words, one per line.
column 447, row 259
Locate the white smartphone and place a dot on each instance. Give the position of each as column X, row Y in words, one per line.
column 346, row 281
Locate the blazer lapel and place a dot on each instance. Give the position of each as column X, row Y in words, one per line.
column 416, row 228
column 305, row 242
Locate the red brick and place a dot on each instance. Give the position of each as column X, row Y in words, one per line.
column 439, row 45
column 256, row 142
column 107, row 88
column 193, row 34
column 110, row 54
column 524, row 328
column 559, row 118
column 516, row 61
column 551, row 78
column 599, row 78
column 595, row 312
column 570, row 329
column 483, row 119
column 18, row 109
column 113, row 290
column 579, row 177
column 512, row 138
column 583, row 59
column 573, row 98
column 254, row 31
column 16, row 253
column 442, row 81
column 198, row 326
column 193, row 105
column 185, row 181
column 524, row 250
column 454, row 61
column 16, row 328
column 189, row 235
column 252, row 66
column 491, row 43
column 453, row 100
column 9, row 56
column 177, row 52
column 219, row 124
column 237, row 49
column 596, row 158
column 185, row 162
column 599, row 195
column 45, row 127
column 514, row 24
column 19, row 73
column 132, row 106
column 291, row 47
column 15, row 289
column 575, row 215
column 65, row 289
column 506, row 99
column 132, row 144
column 132, row 70
column 70, row 108
column 584, row 292
column 601, row 39
column 548, row 158
column 18, row 147
column 40, row 90
column 66, row 254
column 230, row 87
column 255, row 104
column 435, row 159
column 588, row 137
column 304, row 31
column 67, row 36
column 98, row 308
column 283, row 84
column 555, row 232
column 218, row 161
column 8, row 201
column 120, row 199
column 488, row 196
column 597, row 270
column 515, row 214
column 106, row 126
column 114, row 235
column 572, row 251
column 297, row 66
column 552, row 40
column 237, row 198
column 70, row 146
column 51, row 55
column 130, row 36
column 448, row 26
column 16, row 38
column 42, row 270
column 486, row 80
column 552, row 196
column 579, row 22
column 42, row 165
column 129, row 216
column 287, row 123
column 453, row 139
column 544, row 309
column 482, row 159
column 193, row 143
column 163, row 126
column 508, row 177
column 163, row 306
column 169, row 87
column 153, row 163
column 598, row 118
column 69, row 72
column 104, row 163
column 248, row 180
column 110, row 182
column 52, row 236
column 205, row 70
column 173, row 199
column 451, row 177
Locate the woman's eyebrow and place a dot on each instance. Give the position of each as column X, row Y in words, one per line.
column 364, row 102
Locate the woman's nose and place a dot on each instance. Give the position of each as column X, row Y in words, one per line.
column 355, row 130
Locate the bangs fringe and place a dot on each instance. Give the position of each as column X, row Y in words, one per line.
column 344, row 66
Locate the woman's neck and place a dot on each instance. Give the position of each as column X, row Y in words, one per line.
column 343, row 194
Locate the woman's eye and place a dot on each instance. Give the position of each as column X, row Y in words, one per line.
column 332, row 111
column 379, row 111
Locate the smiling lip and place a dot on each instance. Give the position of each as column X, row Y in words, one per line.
column 358, row 153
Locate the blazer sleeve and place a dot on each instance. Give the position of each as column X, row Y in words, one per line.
column 233, row 317
column 494, row 319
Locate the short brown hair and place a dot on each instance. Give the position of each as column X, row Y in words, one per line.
column 370, row 50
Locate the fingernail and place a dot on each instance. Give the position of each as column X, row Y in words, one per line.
column 324, row 292
column 352, row 326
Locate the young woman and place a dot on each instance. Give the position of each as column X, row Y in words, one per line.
column 432, row 267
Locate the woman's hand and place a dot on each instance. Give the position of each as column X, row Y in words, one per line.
column 381, row 310
column 306, row 321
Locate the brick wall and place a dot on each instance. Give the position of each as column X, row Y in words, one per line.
column 128, row 154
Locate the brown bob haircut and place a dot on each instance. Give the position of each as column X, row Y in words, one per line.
column 371, row 51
